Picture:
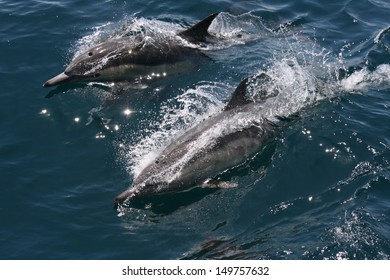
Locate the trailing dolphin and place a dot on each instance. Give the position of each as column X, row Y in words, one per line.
column 136, row 56
column 220, row 142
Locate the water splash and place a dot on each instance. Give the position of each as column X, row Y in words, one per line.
column 178, row 114
column 237, row 30
column 382, row 39
column 227, row 29
column 292, row 86
column 364, row 79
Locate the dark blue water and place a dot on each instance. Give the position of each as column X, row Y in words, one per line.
column 320, row 190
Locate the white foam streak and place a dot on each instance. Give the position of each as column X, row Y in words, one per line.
column 364, row 79
column 295, row 87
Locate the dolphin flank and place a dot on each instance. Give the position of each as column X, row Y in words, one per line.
column 220, row 142
column 136, row 56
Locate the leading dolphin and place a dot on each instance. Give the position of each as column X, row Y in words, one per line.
column 127, row 59
column 220, row 142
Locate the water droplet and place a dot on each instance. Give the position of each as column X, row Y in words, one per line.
column 127, row 112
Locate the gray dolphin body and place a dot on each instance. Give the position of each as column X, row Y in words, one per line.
column 220, row 142
column 125, row 59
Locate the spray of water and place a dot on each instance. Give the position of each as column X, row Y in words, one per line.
column 227, row 29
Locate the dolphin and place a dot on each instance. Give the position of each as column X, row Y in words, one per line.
column 209, row 148
column 138, row 56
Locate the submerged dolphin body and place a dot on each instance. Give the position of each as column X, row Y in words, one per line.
column 125, row 59
column 220, row 142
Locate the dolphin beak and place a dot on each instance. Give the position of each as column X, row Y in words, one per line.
column 59, row 79
column 122, row 197
column 127, row 194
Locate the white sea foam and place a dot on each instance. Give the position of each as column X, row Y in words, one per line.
column 364, row 79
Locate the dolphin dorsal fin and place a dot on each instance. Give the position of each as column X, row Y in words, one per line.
column 239, row 96
column 198, row 32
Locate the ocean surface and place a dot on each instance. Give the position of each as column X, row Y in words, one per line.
column 319, row 190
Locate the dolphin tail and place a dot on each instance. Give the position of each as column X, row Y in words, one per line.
column 198, row 32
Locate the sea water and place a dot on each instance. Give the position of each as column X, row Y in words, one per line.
column 320, row 190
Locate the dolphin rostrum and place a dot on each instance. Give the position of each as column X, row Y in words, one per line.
column 219, row 143
column 137, row 56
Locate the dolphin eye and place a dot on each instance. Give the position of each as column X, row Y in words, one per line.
column 90, row 53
